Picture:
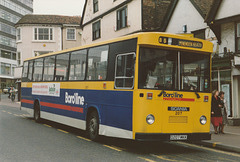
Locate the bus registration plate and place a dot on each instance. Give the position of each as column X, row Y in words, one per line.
column 178, row 137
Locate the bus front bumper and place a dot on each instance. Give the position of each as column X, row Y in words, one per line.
column 172, row 136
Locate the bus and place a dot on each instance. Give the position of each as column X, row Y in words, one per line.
column 145, row 86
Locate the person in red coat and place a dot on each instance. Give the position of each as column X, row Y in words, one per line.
column 216, row 112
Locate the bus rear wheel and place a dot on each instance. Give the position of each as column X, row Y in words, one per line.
column 93, row 126
column 36, row 113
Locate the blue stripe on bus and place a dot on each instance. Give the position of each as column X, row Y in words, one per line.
column 115, row 107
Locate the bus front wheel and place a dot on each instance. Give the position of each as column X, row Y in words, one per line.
column 36, row 113
column 93, row 126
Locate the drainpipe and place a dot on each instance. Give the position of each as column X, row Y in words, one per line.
column 62, row 36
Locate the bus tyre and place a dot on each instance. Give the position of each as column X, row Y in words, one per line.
column 36, row 113
column 93, row 126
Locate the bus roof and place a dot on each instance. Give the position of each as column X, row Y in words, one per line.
column 155, row 39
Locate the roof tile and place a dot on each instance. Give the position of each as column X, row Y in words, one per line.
column 49, row 19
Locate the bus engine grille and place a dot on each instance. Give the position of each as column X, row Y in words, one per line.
column 178, row 119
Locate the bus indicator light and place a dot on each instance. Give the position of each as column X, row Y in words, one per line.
column 205, row 98
column 104, row 85
column 149, row 96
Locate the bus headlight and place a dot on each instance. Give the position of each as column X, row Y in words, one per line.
column 203, row 120
column 150, row 119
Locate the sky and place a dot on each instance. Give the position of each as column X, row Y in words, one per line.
column 58, row 7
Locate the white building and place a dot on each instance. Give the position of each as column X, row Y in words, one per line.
column 104, row 20
column 224, row 20
column 40, row 34
column 10, row 12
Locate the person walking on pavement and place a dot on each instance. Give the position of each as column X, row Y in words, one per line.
column 224, row 111
column 216, row 114
column 9, row 94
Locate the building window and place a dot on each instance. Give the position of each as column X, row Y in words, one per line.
column 43, row 34
column 199, row 34
column 19, row 60
column 95, row 6
column 238, row 37
column 71, row 34
column 14, row 56
column 222, row 80
column 96, row 30
column 5, row 69
column 18, row 34
column 6, row 54
column 13, row 69
column 122, row 18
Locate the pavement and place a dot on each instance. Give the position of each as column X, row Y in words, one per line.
column 4, row 100
column 230, row 141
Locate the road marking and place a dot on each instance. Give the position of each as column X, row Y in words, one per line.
column 188, row 159
column 15, row 114
column 149, row 160
column 227, row 159
column 163, row 158
column 62, row 131
column 3, row 111
column 113, row 148
column 83, row 138
column 209, row 149
column 47, row 125
column 9, row 113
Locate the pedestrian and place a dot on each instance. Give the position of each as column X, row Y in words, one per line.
column 9, row 89
column 224, row 111
column 216, row 114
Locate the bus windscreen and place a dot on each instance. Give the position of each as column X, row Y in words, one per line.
column 173, row 70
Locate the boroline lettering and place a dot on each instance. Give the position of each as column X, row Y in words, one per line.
column 74, row 99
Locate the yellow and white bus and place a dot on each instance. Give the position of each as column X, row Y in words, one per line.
column 145, row 86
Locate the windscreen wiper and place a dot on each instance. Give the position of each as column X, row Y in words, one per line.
column 196, row 93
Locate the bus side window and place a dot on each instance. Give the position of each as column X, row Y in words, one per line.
column 38, row 69
column 97, row 63
column 25, row 71
column 124, row 74
column 62, row 61
column 30, row 70
column 49, row 65
column 78, row 65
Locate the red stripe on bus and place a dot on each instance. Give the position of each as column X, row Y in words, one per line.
column 63, row 107
column 56, row 106
column 27, row 101
column 179, row 99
